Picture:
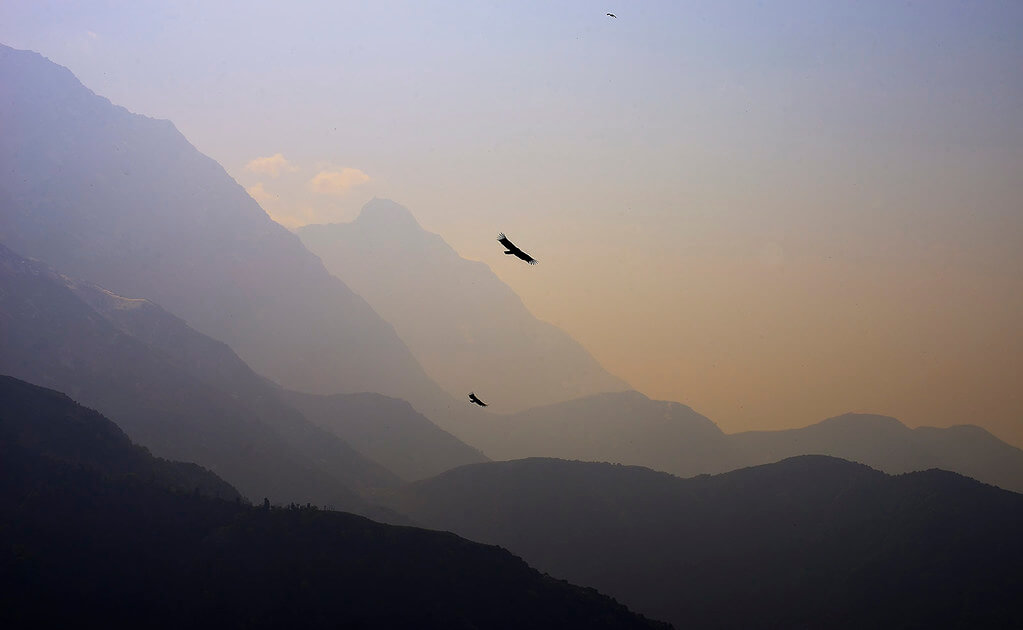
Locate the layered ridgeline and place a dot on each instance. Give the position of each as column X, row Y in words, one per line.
column 629, row 428
column 126, row 202
column 472, row 332
column 189, row 397
column 171, row 400
column 810, row 542
column 95, row 528
column 464, row 325
column 386, row 430
column 52, row 426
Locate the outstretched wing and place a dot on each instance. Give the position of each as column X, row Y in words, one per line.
column 502, row 239
column 526, row 257
column 515, row 251
column 474, row 399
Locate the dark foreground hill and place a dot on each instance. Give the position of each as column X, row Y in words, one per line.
column 810, row 542
column 52, row 337
column 53, row 426
column 81, row 544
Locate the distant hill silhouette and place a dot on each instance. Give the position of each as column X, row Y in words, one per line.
column 810, row 542
column 623, row 427
column 215, row 364
column 464, row 325
column 885, row 443
column 385, row 430
column 124, row 201
column 92, row 528
column 53, row 338
column 388, row 431
column 629, row 428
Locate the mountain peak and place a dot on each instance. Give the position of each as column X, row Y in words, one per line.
column 385, row 213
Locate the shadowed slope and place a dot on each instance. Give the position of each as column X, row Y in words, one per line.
column 808, row 542
column 57, row 428
column 104, row 542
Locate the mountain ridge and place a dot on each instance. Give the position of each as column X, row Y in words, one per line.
column 128, row 204
column 630, row 428
column 811, row 541
column 54, row 338
column 469, row 329
column 95, row 543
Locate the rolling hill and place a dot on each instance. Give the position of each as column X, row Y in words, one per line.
column 82, row 539
column 807, row 542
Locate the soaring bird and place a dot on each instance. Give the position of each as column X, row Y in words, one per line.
column 612, row 15
column 514, row 251
column 477, row 401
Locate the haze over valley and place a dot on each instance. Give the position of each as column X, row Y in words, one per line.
column 456, row 316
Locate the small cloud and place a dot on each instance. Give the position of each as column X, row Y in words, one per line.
column 337, row 182
column 290, row 222
column 260, row 194
column 91, row 34
column 271, row 166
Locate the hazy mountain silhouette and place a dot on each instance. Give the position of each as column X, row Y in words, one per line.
column 126, row 202
column 464, row 325
column 622, row 427
column 214, row 363
column 811, row 542
column 54, row 338
column 885, row 443
column 470, row 330
column 53, row 426
column 629, row 428
column 388, row 431
column 93, row 528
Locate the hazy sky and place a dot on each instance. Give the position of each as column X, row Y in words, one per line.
column 774, row 212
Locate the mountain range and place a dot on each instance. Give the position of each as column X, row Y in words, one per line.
column 54, row 338
column 467, row 328
column 809, row 542
column 125, row 202
column 142, row 282
column 186, row 396
column 629, row 428
column 93, row 528
column 471, row 331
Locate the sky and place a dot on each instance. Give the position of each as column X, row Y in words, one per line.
column 774, row 212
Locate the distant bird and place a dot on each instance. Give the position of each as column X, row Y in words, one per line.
column 612, row 15
column 514, row 251
column 476, row 401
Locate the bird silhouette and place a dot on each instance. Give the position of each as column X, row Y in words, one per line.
column 512, row 250
column 476, row 401
column 612, row 15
